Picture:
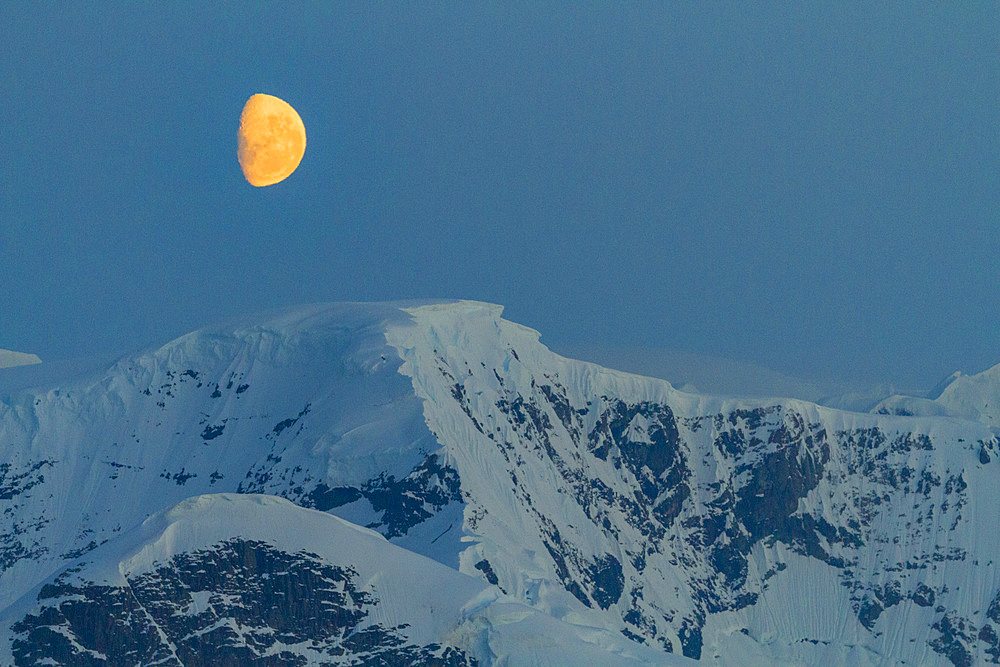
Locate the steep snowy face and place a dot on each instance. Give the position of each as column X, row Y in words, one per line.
column 780, row 530
column 300, row 405
column 727, row 530
column 235, row 579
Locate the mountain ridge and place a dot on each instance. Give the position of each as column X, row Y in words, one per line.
column 11, row 359
column 595, row 497
column 256, row 613
column 975, row 397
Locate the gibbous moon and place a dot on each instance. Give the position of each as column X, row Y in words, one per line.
column 272, row 140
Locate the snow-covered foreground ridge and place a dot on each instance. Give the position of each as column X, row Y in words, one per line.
column 230, row 579
column 624, row 512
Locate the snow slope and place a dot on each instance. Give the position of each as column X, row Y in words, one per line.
column 224, row 577
column 9, row 359
column 730, row 530
column 975, row 397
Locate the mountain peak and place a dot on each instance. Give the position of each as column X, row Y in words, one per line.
column 449, row 445
column 936, row 391
column 9, row 359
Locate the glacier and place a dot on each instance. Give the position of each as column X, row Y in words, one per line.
column 631, row 519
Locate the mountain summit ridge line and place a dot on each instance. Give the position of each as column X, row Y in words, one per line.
column 713, row 527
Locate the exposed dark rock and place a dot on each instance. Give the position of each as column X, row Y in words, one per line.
column 179, row 478
column 690, row 635
column 239, row 602
column 988, row 636
column 923, row 595
column 212, row 432
column 324, row 498
column 607, row 581
column 730, row 559
column 291, row 421
column 569, row 417
column 14, row 482
column 406, row 502
column 661, row 454
column 487, row 570
column 953, row 640
column 869, row 611
column 402, row 503
column 767, row 503
column 890, row 594
column 993, row 611
column 659, row 465
column 73, row 554
column 558, row 551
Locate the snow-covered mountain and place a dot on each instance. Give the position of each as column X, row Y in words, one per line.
column 10, row 359
column 632, row 516
column 240, row 579
column 975, row 397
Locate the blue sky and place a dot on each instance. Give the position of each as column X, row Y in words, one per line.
column 810, row 187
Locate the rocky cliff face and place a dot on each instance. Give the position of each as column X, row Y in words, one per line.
column 244, row 579
column 234, row 602
column 719, row 529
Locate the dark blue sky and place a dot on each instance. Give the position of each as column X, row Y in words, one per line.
column 812, row 187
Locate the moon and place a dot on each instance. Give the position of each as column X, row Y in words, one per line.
column 272, row 140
